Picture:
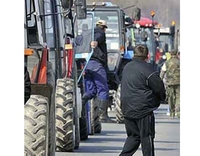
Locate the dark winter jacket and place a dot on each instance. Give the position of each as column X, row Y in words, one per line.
column 100, row 52
column 142, row 89
column 27, row 85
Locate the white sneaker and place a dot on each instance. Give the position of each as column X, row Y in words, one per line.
column 168, row 114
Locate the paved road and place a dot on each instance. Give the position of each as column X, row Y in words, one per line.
column 112, row 138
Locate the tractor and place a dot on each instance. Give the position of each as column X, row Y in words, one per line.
column 51, row 114
column 168, row 37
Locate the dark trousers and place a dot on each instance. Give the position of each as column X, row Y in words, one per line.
column 139, row 131
column 96, row 81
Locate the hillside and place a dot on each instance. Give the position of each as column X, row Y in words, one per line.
column 166, row 11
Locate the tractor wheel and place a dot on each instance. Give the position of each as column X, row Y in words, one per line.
column 76, row 115
column 77, row 128
column 83, row 124
column 36, row 121
column 119, row 114
column 95, row 122
column 64, row 116
column 51, row 81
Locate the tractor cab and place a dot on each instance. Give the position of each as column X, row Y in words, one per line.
column 166, row 37
column 84, row 32
column 144, row 34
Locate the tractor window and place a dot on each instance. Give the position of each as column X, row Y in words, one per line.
column 49, row 24
column 84, row 25
column 84, row 31
column 130, row 38
column 151, row 44
column 137, row 36
column 30, row 13
column 112, row 21
column 48, row 19
column 167, row 40
column 68, row 25
column 49, row 31
column 112, row 32
column 31, row 24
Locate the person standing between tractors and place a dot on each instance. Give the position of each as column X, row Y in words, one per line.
column 171, row 71
column 141, row 93
column 95, row 73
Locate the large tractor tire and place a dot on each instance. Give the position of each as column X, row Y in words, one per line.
column 36, row 128
column 95, row 122
column 51, row 81
column 64, row 116
column 119, row 114
column 83, row 124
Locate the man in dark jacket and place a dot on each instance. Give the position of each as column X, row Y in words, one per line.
column 27, row 85
column 141, row 93
column 95, row 73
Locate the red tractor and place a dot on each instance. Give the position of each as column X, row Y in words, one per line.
column 145, row 35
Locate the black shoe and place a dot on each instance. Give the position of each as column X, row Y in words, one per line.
column 85, row 99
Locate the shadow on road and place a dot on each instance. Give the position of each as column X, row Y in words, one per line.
column 105, row 139
column 101, row 149
column 172, row 142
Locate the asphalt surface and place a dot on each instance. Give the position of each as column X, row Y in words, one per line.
column 111, row 140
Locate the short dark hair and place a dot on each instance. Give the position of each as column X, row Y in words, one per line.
column 141, row 51
column 173, row 52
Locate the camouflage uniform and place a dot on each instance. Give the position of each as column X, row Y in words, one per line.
column 171, row 70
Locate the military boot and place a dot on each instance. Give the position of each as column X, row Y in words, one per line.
column 103, row 112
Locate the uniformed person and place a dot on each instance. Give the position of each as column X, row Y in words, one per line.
column 171, row 71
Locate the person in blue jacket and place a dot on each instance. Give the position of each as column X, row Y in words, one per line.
column 95, row 73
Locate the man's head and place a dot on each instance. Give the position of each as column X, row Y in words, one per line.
column 173, row 52
column 101, row 24
column 141, row 51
